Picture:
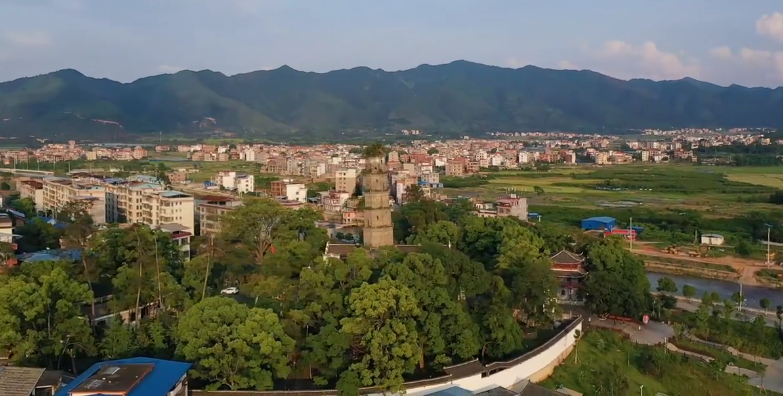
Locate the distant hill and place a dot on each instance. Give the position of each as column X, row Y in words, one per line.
column 459, row 97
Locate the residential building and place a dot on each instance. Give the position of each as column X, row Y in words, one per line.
column 58, row 191
column 455, row 168
column 212, row 210
column 125, row 198
column 32, row 189
column 512, row 206
column 239, row 182
column 166, row 207
column 345, row 180
column 288, row 189
column 139, row 376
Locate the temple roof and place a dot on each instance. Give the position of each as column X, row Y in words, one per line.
column 566, row 257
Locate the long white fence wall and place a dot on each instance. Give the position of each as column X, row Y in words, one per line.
column 535, row 365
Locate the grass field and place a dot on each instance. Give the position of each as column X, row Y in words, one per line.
column 610, row 365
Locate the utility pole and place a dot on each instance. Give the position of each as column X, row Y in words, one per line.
column 769, row 232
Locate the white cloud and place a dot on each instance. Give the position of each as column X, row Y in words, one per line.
column 566, row 65
column 31, row 39
column 170, row 69
column 647, row 60
column 516, row 63
column 771, row 25
column 723, row 52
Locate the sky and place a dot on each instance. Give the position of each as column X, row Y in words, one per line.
column 720, row 41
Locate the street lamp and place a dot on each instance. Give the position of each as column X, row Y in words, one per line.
column 641, row 390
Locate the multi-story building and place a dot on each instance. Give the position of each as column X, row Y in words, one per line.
column 58, row 191
column 512, row 206
column 169, row 207
column 239, row 182
column 212, row 210
column 345, row 180
column 32, row 189
column 288, row 189
column 455, row 168
column 125, row 198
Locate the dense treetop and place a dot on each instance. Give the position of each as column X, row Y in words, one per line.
column 474, row 289
column 456, row 97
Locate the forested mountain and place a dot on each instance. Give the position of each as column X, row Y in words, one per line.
column 457, row 97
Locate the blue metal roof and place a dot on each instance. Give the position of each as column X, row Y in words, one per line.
column 602, row 219
column 51, row 255
column 165, row 374
column 453, row 391
column 172, row 193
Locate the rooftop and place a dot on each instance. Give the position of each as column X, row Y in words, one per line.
column 127, row 377
column 19, row 381
column 602, row 219
column 174, row 194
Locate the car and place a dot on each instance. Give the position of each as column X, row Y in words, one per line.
column 230, row 290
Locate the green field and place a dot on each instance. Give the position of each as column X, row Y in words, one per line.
column 610, row 365
column 719, row 191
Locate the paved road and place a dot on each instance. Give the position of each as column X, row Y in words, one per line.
column 649, row 334
column 692, row 306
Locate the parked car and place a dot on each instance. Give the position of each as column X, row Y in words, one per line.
column 230, row 290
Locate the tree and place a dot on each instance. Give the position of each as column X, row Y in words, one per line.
column 728, row 308
column 443, row 327
column 743, row 248
column 764, row 303
column 76, row 235
column 233, row 345
column 25, row 205
column 666, row 285
column 382, row 323
column 38, row 235
column 4, row 186
column 413, row 193
column 577, row 336
column 688, row 291
column 538, row 190
column 40, row 314
column 617, row 283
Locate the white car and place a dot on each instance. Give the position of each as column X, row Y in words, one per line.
column 230, row 290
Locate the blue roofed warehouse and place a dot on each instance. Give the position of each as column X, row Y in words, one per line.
column 601, row 223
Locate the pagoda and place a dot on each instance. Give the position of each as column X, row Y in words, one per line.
column 569, row 269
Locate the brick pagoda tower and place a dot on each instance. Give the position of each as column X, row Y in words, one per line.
column 378, row 230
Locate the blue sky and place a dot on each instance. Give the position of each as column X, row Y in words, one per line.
column 721, row 41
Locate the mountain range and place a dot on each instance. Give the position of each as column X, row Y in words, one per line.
column 459, row 97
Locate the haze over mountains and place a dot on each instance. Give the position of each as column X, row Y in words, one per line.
column 459, row 97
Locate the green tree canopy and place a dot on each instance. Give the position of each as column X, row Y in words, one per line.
column 233, row 345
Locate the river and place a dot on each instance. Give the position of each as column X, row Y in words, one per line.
column 724, row 288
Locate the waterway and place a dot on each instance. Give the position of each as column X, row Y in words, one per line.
column 724, row 288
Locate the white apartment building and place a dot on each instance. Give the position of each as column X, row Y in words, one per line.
column 58, row 191
column 163, row 208
column 240, row 182
column 32, row 189
column 124, row 198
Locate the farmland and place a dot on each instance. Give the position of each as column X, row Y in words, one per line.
column 672, row 202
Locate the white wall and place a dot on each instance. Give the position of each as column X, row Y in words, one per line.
column 541, row 360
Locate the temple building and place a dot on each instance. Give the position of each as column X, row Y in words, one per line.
column 569, row 269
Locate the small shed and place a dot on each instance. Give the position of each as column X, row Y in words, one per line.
column 712, row 239
column 601, row 223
